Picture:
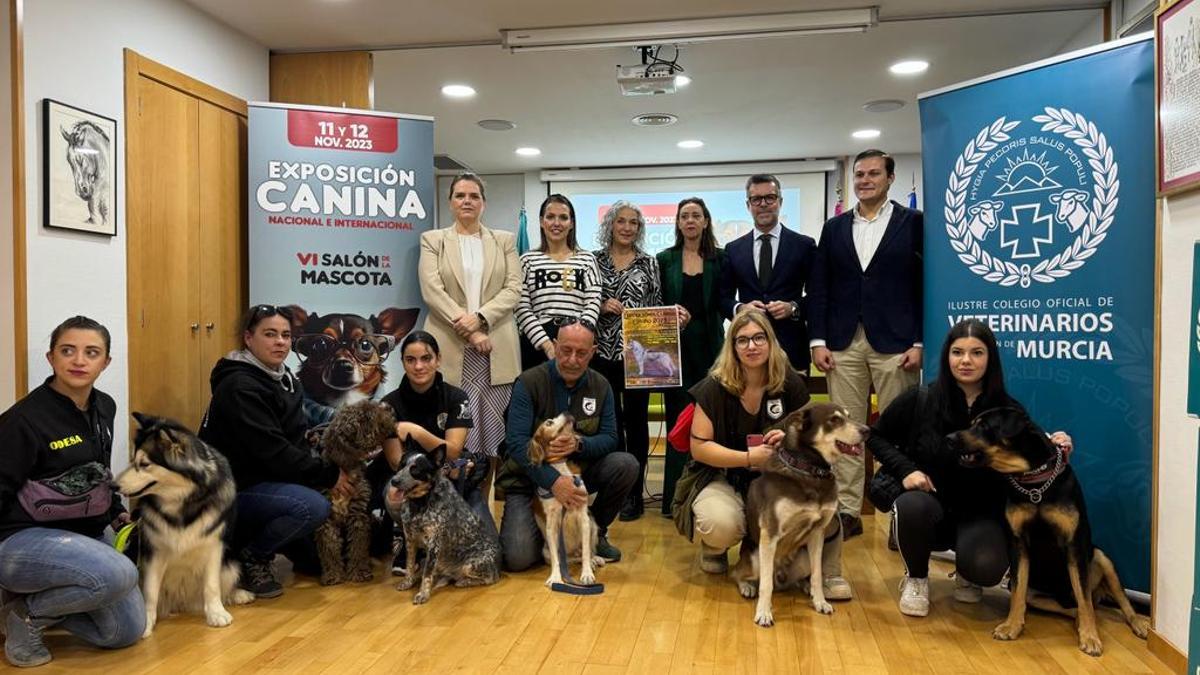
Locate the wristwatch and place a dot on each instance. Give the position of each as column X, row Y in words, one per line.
column 795, row 309
column 482, row 320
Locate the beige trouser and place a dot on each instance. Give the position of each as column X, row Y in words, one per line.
column 855, row 369
column 720, row 516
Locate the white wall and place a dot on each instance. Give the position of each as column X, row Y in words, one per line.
column 1177, row 433
column 73, row 53
column 1092, row 33
column 505, row 196
column 8, row 355
column 908, row 169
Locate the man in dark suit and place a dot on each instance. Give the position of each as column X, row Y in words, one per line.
column 865, row 309
column 768, row 267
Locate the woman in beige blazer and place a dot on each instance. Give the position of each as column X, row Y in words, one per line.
column 471, row 281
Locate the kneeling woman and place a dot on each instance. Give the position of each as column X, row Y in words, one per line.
column 63, row 431
column 945, row 505
column 256, row 419
column 750, row 387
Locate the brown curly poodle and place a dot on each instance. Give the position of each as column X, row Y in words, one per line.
column 343, row 541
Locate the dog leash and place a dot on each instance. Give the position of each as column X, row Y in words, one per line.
column 570, row 585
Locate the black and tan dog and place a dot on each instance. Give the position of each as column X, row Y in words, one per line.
column 344, row 539
column 1058, row 569
column 458, row 548
column 791, row 505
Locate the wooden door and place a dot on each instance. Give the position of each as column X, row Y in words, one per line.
column 164, row 329
column 223, row 236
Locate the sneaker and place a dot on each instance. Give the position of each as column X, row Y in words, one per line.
column 607, row 551
column 851, row 525
column 632, row 510
column 714, row 563
column 837, row 588
column 914, row 596
column 258, row 577
column 965, row 591
column 23, row 644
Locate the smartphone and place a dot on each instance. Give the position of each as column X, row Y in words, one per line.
column 753, row 440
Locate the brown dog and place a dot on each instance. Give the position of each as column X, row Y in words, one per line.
column 789, row 507
column 579, row 532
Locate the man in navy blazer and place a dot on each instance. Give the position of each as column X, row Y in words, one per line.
column 768, row 268
column 865, row 309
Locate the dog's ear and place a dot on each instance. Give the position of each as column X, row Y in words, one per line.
column 395, row 322
column 438, row 455
column 143, row 421
column 795, row 424
column 537, row 453
column 1012, row 422
column 167, row 442
column 299, row 318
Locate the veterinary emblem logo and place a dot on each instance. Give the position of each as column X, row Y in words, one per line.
column 441, row 421
column 1021, row 209
column 464, row 411
column 589, row 406
column 775, row 408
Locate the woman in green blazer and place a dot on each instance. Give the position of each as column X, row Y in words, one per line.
column 690, row 273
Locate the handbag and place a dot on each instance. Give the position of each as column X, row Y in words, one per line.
column 83, row 491
column 680, row 436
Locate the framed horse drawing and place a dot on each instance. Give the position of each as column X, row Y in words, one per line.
column 79, row 169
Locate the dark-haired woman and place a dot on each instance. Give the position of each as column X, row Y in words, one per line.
column 54, row 577
column 561, row 283
column 256, row 419
column 690, row 274
column 947, row 506
column 429, row 412
column 629, row 279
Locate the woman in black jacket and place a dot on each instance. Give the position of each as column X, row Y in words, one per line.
column 56, row 498
column 945, row 505
column 256, row 420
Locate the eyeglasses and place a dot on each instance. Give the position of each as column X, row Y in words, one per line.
column 561, row 321
column 743, row 341
column 763, row 200
column 261, row 312
column 320, row 346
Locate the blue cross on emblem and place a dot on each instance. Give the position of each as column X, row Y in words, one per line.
column 1019, row 232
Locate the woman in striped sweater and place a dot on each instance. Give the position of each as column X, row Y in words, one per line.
column 561, row 284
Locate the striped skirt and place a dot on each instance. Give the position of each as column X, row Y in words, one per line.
column 488, row 402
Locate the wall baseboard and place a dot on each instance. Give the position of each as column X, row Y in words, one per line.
column 1166, row 652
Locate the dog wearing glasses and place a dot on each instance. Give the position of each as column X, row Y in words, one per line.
column 343, row 354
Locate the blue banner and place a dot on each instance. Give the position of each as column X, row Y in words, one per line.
column 338, row 201
column 1039, row 195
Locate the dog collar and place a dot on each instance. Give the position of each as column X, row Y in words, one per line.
column 796, row 464
column 1044, row 474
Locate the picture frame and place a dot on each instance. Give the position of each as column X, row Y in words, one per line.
column 1176, row 98
column 79, row 169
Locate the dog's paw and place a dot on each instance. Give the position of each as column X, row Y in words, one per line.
column 406, row 583
column 1091, row 645
column 218, row 618
column 587, row 578
column 150, row 619
column 748, row 589
column 553, row 579
column 822, row 607
column 597, row 561
column 1008, row 631
column 241, row 596
column 1140, row 626
column 764, row 618
column 421, row 598
column 332, row 579
column 361, row 576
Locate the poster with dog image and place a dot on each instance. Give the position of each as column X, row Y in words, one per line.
column 338, row 201
column 652, row 356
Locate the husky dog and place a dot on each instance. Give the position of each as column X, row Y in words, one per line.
column 650, row 362
column 183, row 498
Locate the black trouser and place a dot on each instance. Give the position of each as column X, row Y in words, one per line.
column 631, row 407
column 533, row 356
column 923, row 525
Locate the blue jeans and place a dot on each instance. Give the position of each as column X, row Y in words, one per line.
column 610, row 478
column 75, row 582
column 272, row 515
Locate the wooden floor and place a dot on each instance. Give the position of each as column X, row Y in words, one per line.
column 659, row 614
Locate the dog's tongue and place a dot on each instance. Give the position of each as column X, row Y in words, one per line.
column 395, row 495
column 848, row 449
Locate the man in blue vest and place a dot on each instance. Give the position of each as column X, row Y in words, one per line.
column 565, row 384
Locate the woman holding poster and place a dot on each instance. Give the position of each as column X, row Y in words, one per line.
column 471, row 281
column 630, row 279
column 690, row 271
column 561, row 283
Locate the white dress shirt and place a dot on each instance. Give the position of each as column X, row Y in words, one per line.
column 868, row 232
column 758, row 237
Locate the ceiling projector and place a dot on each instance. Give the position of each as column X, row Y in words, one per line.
column 646, row 80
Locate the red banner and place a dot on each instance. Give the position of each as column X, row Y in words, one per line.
column 341, row 131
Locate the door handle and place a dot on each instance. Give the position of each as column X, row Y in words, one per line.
column 209, row 326
column 195, row 327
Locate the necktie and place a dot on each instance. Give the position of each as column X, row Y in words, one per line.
column 764, row 261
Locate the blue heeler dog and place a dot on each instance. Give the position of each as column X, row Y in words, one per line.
column 458, row 548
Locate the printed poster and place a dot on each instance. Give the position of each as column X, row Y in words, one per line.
column 652, row 356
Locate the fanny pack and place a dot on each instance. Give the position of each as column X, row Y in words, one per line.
column 82, row 491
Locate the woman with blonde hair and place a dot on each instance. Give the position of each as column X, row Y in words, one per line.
column 750, row 388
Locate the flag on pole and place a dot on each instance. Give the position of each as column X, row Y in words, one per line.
column 839, row 207
column 522, row 233
column 912, row 195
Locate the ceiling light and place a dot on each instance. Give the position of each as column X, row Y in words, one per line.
column 528, row 152
column 883, row 105
column 458, row 91
column 654, row 120
column 497, row 125
column 690, row 144
column 909, row 67
column 687, row 31
column 682, row 80
column 866, row 133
